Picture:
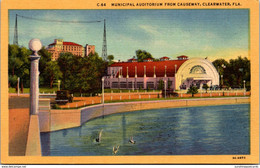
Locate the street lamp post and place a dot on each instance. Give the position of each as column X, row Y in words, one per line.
column 18, row 84
column 58, row 84
column 244, row 86
column 221, row 80
column 103, row 100
column 35, row 45
column 165, row 89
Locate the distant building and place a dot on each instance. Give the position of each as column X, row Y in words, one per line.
column 182, row 57
column 132, row 60
column 148, row 60
column 60, row 46
column 89, row 49
column 164, row 59
column 179, row 74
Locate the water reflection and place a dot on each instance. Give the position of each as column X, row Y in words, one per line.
column 124, row 128
column 65, row 132
column 179, row 131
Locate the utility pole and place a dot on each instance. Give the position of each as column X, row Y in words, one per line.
column 18, row 84
column 104, row 47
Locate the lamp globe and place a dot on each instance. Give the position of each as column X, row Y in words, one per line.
column 35, row 45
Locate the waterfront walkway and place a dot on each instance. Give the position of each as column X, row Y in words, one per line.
column 114, row 97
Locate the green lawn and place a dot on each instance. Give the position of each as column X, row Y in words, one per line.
column 50, row 90
column 27, row 90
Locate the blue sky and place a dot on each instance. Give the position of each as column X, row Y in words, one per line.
column 195, row 33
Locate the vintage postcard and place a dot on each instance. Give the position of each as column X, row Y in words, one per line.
column 130, row 82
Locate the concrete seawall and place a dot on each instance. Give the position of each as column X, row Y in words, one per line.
column 63, row 119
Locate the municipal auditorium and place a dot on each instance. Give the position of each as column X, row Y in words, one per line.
column 179, row 74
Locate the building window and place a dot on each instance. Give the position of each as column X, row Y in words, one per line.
column 197, row 70
column 140, row 85
column 130, row 84
column 150, row 85
column 122, row 84
column 114, row 84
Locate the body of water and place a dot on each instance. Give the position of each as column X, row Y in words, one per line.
column 208, row 130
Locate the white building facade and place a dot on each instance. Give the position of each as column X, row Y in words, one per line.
column 177, row 74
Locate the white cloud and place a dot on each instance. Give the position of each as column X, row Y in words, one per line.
column 150, row 29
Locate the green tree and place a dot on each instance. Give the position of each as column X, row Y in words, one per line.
column 234, row 72
column 110, row 59
column 237, row 71
column 67, row 67
column 192, row 90
column 18, row 65
column 24, row 70
column 44, row 60
column 12, row 79
column 161, row 85
column 142, row 54
column 221, row 65
column 205, row 86
column 52, row 72
column 13, row 59
column 82, row 74
column 99, row 67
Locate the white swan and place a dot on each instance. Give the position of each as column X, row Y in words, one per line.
column 131, row 140
column 115, row 149
column 99, row 136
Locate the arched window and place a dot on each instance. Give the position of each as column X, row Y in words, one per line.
column 197, row 70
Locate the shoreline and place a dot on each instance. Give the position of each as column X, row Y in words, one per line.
column 58, row 119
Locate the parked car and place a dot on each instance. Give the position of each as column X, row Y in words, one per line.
column 63, row 97
column 169, row 93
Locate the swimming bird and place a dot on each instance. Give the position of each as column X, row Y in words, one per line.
column 115, row 149
column 99, row 136
column 131, row 140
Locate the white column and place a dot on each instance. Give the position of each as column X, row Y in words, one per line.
column 35, row 45
column 165, row 75
column 127, row 76
column 34, row 84
column 144, row 71
column 135, row 72
column 154, row 74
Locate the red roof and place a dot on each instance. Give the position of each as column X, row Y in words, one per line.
column 67, row 43
column 132, row 59
column 52, row 44
column 165, row 58
column 159, row 68
column 71, row 43
column 182, row 56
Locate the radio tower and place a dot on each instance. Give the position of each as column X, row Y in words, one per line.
column 15, row 32
column 104, row 48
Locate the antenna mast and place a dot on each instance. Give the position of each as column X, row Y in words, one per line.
column 104, row 48
column 15, row 32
